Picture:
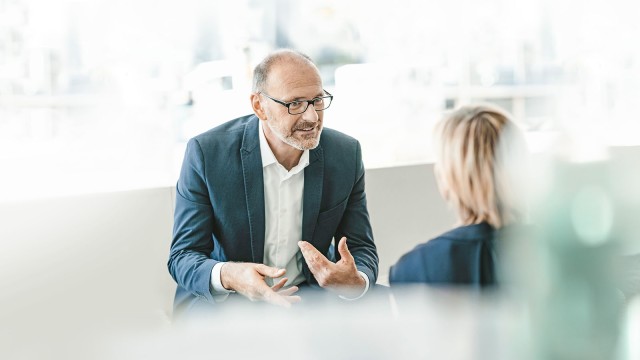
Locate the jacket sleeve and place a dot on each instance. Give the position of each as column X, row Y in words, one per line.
column 189, row 262
column 356, row 226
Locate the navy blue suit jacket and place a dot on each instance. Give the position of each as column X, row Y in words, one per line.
column 219, row 213
column 464, row 255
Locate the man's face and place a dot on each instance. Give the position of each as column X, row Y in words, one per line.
column 288, row 82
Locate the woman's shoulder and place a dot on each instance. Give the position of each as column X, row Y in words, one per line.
column 460, row 235
column 470, row 232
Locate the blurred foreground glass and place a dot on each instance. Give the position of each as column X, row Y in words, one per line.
column 567, row 267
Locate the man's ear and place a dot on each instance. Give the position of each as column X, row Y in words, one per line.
column 257, row 106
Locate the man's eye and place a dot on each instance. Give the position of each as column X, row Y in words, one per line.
column 295, row 104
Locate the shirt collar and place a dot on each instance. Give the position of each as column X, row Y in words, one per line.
column 268, row 158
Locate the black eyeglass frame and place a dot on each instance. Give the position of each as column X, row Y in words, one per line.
column 309, row 102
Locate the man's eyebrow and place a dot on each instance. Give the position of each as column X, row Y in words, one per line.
column 321, row 94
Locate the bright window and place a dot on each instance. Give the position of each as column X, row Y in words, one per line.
column 102, row 95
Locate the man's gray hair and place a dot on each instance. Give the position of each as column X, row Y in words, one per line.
column 261, row 71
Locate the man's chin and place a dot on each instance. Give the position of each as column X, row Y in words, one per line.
column 306, row 144
column 311, row 146
column 309, row 141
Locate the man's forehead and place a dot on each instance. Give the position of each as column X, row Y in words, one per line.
column 291, row 76
column 293, row 67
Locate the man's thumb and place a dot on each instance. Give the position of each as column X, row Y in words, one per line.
column 343, row 249
column 270, row 271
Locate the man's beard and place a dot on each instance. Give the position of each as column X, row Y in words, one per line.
column 305, row 144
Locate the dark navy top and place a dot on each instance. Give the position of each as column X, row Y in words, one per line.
column 462, row 256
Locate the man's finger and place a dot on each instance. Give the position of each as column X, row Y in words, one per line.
column 344, row 250
column 279, row 285
column 314, row 258
column 270, row 271
column 274, row 298
column 289, row 291
column 293, row 299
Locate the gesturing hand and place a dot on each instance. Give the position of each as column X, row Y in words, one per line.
column 341, row 277
column 248, row 279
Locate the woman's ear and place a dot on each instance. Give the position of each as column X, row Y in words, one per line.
column 257, row 106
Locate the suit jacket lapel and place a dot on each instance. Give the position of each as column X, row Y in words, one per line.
column 313, row 180
column 254, row 188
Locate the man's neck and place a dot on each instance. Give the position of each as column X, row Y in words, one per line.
column 285, row 154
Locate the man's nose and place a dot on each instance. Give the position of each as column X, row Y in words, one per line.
column 310, row 114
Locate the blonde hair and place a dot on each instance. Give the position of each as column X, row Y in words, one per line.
column 470, row 166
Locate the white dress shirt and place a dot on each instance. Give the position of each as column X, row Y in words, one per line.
column 283, row 196
column 283, row 193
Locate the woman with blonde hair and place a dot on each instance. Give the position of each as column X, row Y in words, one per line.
column 478, row 149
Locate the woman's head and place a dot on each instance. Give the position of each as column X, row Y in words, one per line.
column 475, row 145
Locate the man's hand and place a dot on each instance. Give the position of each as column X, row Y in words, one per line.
column 342, row 277
column 248, row 279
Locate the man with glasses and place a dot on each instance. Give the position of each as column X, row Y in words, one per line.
column 261, row 198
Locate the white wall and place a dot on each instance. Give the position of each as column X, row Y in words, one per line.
column 406, row 209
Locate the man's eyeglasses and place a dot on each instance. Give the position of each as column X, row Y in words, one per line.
column 300, row 106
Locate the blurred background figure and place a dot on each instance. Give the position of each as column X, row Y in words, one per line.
column 477, row 148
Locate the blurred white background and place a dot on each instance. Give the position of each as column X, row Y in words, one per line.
column 102, row 95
